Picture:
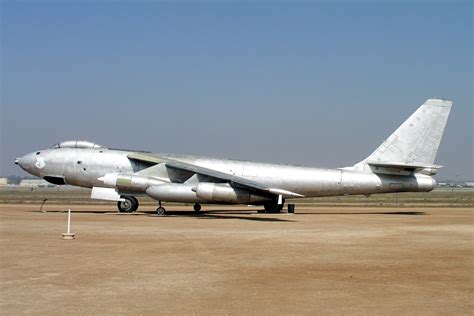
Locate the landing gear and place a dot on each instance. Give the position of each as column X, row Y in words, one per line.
column 197, row 208
column 273, row 207
column 160, row 211
column 128, row 205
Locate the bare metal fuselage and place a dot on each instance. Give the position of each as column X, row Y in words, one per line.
column 85, row 166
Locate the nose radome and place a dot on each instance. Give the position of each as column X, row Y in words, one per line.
column 26, row 162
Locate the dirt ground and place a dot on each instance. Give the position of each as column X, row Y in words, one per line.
column 231, row 260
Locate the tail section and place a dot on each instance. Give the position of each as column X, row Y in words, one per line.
column 417, row 140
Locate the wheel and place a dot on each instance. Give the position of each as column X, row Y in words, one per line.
column 269, row 208
column 273, row 208
column 280, row 207
column 128, row 205
column 197, row 207
column 136, row 203
column 160, row 211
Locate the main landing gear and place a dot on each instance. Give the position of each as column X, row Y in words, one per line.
column 128, row 205
column 274, row 206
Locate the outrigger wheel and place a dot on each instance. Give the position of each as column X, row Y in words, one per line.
column 128, row 205
column 160, row 211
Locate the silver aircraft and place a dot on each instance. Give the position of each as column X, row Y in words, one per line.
column 402, row 163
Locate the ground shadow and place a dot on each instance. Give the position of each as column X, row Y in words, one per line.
column 366, row 213
column 220, row 214
column 223, row 214
column 86, row 212
column 232, row 214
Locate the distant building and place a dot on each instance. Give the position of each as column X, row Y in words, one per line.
column 3, row 182
column 35, row 183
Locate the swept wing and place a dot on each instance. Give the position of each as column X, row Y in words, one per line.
column 221, row 176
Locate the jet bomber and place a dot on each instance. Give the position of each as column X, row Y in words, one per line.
column 404, row 162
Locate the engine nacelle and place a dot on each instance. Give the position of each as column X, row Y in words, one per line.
column 223, row 192
column 429, row 171
column 129, row 182
column 425, row 183
column 173, row 192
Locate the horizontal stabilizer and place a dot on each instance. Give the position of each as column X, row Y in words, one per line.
column 402, row 168
column 402, row 165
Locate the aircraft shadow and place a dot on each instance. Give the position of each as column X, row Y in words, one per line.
column 84, row 212
column 231, row 213
column 366, row 213
column 221, row 214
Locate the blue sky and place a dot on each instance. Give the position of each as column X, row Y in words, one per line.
column 312, row 83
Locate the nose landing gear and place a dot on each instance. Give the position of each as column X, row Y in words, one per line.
column 128, row 205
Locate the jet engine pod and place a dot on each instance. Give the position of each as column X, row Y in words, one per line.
column 223, row 192
column 429, row 171
column 129, row 182
column 173, row 192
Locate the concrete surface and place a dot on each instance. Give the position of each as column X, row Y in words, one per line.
column 323, row 260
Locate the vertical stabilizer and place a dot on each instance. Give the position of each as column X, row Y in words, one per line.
column 418, row 138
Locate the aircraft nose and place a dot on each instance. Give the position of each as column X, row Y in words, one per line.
column 26, row 162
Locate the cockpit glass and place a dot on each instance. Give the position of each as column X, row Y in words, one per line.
column 76, row 144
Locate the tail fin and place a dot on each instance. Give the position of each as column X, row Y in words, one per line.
column 417, row 140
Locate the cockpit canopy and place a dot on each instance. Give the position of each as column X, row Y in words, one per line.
column 77, row 144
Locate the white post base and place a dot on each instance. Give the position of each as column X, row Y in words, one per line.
column 68, row 236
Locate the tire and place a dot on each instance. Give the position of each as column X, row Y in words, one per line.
column 128, row 205
column 197, row 207
column 273, row 208
column 136, row 203
column 161, row 211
